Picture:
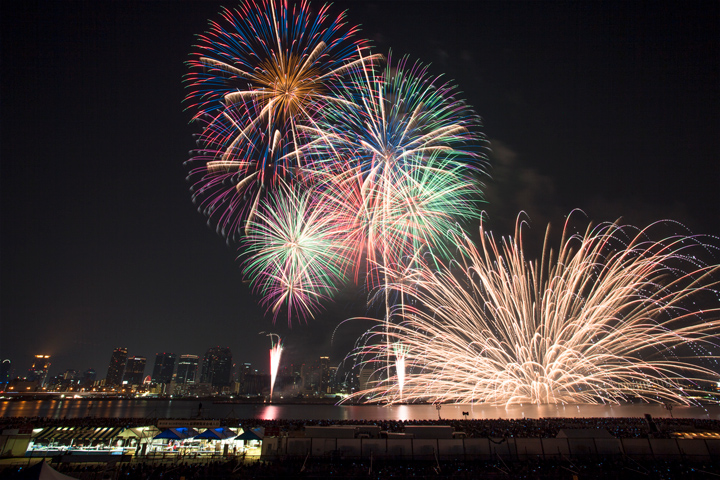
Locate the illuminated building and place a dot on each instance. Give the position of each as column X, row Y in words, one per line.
column 164, row 367
column 134, row 371
column 324, row 374
column 187, row 369
column 332, row 380
column 39, row 370
column 88, row 377
column 116, row 369
column 5, row 367
column 364, row 378
column 217, row 367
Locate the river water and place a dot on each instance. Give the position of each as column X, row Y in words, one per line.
column 78, row 408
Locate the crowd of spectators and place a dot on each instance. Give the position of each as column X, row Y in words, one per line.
column 316, row 468
column 473, row 428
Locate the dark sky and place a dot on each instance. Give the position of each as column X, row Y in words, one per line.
column 611, row 107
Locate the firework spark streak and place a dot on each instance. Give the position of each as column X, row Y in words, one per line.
column 611, row 316
column 400, row 352
column 275, row 354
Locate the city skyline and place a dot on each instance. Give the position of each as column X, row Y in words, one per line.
column 611, row 108
column 183, row 369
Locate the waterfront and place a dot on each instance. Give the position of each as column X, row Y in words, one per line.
column 161, row 408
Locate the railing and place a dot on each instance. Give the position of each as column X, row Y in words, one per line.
column 488, row 448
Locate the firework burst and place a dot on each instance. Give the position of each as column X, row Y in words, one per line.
column 296, row 252
column 256, row 74
column 401, row 154
column 611, row 316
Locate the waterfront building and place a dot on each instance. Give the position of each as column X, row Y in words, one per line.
column 88, row 377
column 187, row 369
column 116, row 369
column 364, row 378
column 333, row 384
column 5, row 373
column 217, row 367
column 134, row 371
column 39, row 370
column 324, row 374
column 164, row 367
column 256, row 384
column 244, row 372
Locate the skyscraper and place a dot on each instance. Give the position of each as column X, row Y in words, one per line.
column 187, row 369
column 88, row 377
column 324, row 374
column 163, row 369
column 39, row 370
column 5, row 367
column 217, row 367
column 134, row 371
column 117, row 366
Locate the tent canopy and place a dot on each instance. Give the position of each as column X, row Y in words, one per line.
column 180, row 433
column 220, row 433
column 248, row 435
column 78, row 433
column 148, row 431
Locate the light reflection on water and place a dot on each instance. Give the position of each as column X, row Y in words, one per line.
column 79, row 408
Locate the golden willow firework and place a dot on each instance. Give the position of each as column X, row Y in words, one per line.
column 611, row 316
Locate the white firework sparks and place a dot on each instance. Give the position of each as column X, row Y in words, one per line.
column 612, row 316
column 275, row 354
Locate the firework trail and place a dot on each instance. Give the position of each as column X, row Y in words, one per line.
column 296, row 252
column 400, row 352
column 611, row 316
column 275, row 354
column 259, row 71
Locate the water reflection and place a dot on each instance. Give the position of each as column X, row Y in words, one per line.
column 80, row 408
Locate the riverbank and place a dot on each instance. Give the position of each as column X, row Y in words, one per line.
column 487, row 448
column 207, row 408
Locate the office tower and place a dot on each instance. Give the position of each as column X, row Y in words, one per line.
column 217, row 367
column 332, row 380
column 88, row 377
column 324, row 374
column 39, row 370
column 116, row 370
column 245, row 370
column 187, row 369
column 164, row 367
column 134, row 371
column 364, row 378
column 244, row 374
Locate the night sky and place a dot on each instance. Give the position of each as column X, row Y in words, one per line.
column 610, row 107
